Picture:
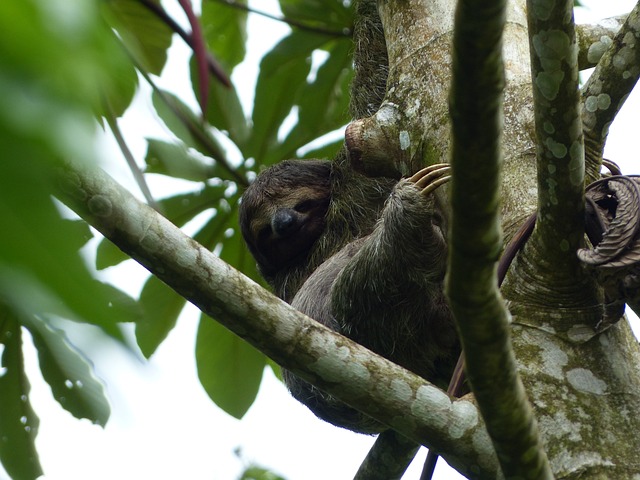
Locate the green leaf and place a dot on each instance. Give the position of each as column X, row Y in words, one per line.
column 259, row 473
column 82, row 232
column 108, row 255
column 174, row 159
column 118, row 96
column 282, row 75
column 229, row 369
column 18, row 422
column 162, row 306
column 186, row 125
column 225, row 31
column 330, row 14
column 325, row 151
column 185, row 206
column 69, row 374
column 143, row 32
column 324, row 104
column 41, row 269
column 224, row 110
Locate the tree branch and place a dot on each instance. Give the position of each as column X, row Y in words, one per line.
column 594, row 39
column 559, row 228
column 131, row 162
column 389, row 457
column 475, row 239
column 380, row 388
column 607, row 89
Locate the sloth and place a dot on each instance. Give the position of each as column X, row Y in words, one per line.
column 364, row 256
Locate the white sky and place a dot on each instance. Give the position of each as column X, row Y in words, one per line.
column 163, row 425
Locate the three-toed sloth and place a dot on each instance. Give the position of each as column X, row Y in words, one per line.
column 364, row 256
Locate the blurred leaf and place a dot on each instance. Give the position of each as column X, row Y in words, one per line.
column 174, row 160
column 186, row 125
column 146, row 36
column 325, row 151
column 161, row 307
column 82, row 232
column 58, row 63
column 225, row 31
column 259, row 473
column 18, row 422
column 108, row 255
column 41, row 269
column 119, row 96
column 229, row 369
column 224, row 110
column 282, row 75
column 324, row 104
column 68, row 373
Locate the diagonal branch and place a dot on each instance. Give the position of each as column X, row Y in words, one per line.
column 594, row 39
column 476, row 239
column 389, row 457
column 607, row 89
column 380, row 388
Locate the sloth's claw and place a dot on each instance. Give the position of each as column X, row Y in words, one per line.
column 431, row 177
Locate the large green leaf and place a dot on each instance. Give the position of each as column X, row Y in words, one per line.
column 224, row 110
column 69, row 374
column 161, row 306
column 282, row 76
column 58, row 66
column 186, row 125
column 229, row 369
column 18, row 421
column 324, row 103
column 185, row 206
column 174, row 160
column 41, row 269
column 108, row 255
column 144, row 33
column 225, row 31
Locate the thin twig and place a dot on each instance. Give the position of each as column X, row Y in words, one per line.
column 133, row 166
column 607, row 89
column 345, row 32
column 200, row 51
column 214, row 67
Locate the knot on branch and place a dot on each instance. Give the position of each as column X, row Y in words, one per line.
column 382, row 145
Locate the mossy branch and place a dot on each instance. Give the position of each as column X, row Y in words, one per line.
column 607, row 89
column 476, row 239
column 594, row 39
column 364, row 380
column 559, row 228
